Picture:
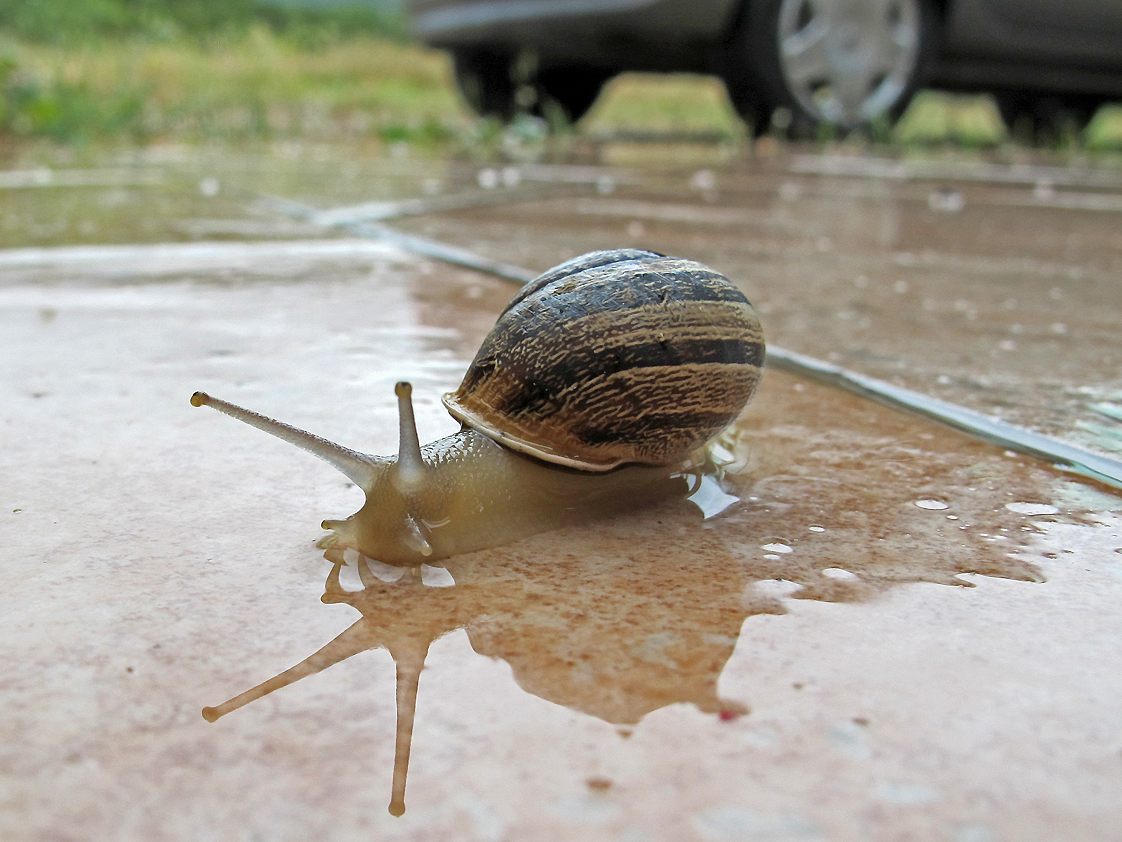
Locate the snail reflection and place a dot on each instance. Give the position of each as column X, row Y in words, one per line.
column 627, row 614
column 602, row 622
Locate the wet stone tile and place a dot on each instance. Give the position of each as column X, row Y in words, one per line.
column 892, row 632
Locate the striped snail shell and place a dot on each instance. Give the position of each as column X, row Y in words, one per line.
column 614, row 357
column 598, row 381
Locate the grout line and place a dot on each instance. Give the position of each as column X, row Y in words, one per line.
column 1103, row 469
column 382, row 211
column 410, row 242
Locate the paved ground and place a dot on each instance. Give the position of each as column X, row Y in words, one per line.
column 898, row 632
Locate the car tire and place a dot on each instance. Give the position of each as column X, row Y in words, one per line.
column 571, row 90
column 745, row 97
column 1045, row 119
column 839, row 63
column 486, row 82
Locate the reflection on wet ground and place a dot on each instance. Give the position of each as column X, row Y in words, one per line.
column 894, row 632
column 839, row 501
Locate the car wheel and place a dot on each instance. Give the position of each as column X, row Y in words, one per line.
column 572, row 90
column 1045, row 120
column 485, row 79
column 844, row 63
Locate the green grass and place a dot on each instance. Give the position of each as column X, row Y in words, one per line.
column 257, row 79
column 255, row 85
column 676, row 104
column 935, row 118
column 77, row 21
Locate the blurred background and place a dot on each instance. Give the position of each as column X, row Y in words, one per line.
column 90, row 72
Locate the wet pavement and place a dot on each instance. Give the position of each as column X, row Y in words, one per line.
column 893, row 632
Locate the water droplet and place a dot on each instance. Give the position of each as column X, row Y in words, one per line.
column 488, row 178
column 931, row 504
column 776, row 547
column 817, row 528
column 1032, row 508
column 952, row 517
column 776, row 588
column 703, row 180
column 436, row 577
column 838, row 573
column 772, row 557
column 946, row 201
column 382, row 571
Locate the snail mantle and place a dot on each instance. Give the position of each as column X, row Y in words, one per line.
column 597, row 383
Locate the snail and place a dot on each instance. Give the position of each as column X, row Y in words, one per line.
column 598, row 382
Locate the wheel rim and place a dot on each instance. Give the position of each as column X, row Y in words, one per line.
column 848, row 61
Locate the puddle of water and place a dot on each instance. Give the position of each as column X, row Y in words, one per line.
column 1032, row 508
column 167, row 194
column 627, row 615
column 931, row 504
column 1014, row 314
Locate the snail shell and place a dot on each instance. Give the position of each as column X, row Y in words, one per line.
column 614, row 357
column 598, row 381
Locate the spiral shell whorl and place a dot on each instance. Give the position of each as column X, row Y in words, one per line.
column 614, row 357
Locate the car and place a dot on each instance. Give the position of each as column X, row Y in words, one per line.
column 791, row 64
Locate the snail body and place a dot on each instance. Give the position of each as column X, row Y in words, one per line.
column 597, row 383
